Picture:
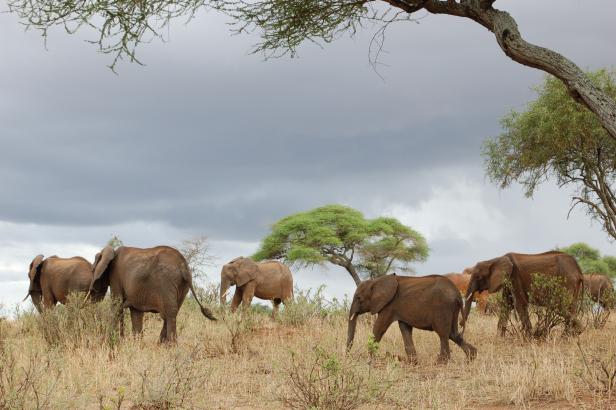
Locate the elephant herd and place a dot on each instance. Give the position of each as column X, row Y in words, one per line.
column 158, row 279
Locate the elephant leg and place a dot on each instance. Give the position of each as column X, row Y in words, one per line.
column 445, row 353
column 49, row 300
column 276, row 303
column 522, row 311
column 136, row 318
column 237, row 299
column 248, row 293
column 121, row 320
column 382, row 323
column 171, row 329
column 407, row 338
column 469, row 350
column 163, row 333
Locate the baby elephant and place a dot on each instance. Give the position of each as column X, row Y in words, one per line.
column 428, row 303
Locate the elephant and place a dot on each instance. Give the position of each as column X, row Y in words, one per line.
column 267, row 280
column 461, row 280
column 52, row 279
column 425, row 302
column 152, row 280
column 518, row 269
column 600, row 289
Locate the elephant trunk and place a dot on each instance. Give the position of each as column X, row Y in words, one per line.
column 225, row 283
column 468, row 301
column 37, row 300
column 352, row 325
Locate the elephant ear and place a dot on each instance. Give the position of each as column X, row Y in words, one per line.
column 35, row 270
column 499, row 270
column 101, row 262
column 383, row 291
column 246, row 270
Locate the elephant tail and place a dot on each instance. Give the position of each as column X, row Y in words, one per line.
column 206, row 312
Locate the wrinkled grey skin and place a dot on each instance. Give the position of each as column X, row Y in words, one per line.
column 147, row 280
column 54, row 278
column 427, row 302
column 267, row 280
column 518, row 268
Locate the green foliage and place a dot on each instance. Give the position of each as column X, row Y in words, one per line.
column 550, row 302
column 327, row 381
column 373, row 346
column 590, row 259
column 557, row 137
column 308, row 305
column 342, row 236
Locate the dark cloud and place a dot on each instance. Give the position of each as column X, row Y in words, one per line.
column 207, row 138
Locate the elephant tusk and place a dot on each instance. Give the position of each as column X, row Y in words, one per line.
column 24, row 299
column 469, row 297
column 352, row 317
column 87, row 296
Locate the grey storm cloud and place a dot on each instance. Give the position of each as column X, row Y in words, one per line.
column 207, row 138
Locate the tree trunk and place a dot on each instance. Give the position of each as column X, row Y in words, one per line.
column 515, row 47
column 351, row 269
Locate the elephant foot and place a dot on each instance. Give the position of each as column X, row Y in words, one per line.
column 442, row 359
column 471, row 352
column 412, row 359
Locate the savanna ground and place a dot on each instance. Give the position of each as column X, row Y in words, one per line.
column 72, row 358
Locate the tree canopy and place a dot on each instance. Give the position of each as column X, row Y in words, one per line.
column 344, row 237
column 123, row 25
column 590, row 259
column 556, row 137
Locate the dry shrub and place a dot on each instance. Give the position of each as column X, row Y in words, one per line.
column 308, row 305
column 593, row 313
column 599, row 373
column 22, row 386
column 326, row 381
column 80, row 323
column 240, row 325
column 173, row 385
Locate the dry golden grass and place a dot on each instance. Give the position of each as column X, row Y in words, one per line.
column 205, row 371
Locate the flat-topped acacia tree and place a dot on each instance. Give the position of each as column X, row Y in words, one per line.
column 342, row 236
column 285, row 24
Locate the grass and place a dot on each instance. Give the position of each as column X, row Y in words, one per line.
column 293, row 363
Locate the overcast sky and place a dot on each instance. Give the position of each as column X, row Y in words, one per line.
column 208, row 139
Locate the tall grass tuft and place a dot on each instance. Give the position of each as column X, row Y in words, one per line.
column 309, row 305
column 81, row 323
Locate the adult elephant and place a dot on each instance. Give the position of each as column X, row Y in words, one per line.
column 147, row 280
column 267, row 280
column 54, row 278
column 426, row 302
column 461, row 281
column 600, row 289
column 518, row 269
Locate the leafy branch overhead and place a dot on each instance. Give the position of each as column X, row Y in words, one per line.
column 342, row 236
column 285, row 24
column 556, row 137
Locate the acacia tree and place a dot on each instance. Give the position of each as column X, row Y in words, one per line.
column 342, row 236
column 590, row 259
column 556, row 137
column 284, row 24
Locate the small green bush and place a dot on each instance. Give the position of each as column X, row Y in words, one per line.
column 550, row 302
column 326, row 381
